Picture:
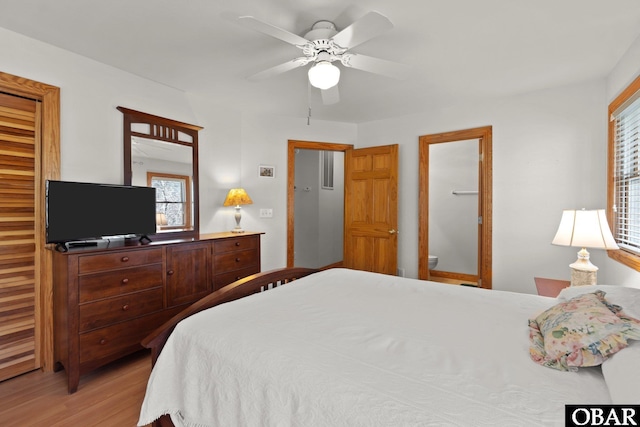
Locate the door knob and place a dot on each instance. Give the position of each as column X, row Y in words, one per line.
column 392, row 231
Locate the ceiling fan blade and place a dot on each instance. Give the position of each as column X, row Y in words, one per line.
column 278, row 69
column 272, row 30
column 369, row 26
column 330, row 96
column 376, row 65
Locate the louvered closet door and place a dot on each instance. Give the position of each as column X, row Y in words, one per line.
column 18, row 178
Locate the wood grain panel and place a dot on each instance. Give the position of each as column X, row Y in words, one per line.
column 188, row 274
column 47, row 163
column 41, row 399
column 105, row 262
column 119, row 281
column 371, row 203
column 17, row 235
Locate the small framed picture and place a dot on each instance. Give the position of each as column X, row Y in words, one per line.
column 266, row 171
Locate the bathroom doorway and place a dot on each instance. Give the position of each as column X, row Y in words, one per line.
column 315, row 204
column 455, row 207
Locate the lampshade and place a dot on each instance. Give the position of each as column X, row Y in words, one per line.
column 584, row 229
column 324, row 75
column 161, row 219
column 237, row 197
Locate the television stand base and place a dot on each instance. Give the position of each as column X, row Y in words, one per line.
column 64, row 247
column 82, row 244
column 144, row 239
column 61, row 247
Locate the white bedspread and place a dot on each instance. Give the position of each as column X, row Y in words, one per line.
column 349, row 348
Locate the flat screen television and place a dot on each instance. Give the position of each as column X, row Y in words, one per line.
column 83, row 211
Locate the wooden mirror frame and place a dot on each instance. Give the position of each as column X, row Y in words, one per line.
column 485, row 200
column 166, row 130
column 293, row 145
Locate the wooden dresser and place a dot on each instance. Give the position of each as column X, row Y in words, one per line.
column 107, row 299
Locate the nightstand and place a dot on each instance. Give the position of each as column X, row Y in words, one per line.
column 550, row 287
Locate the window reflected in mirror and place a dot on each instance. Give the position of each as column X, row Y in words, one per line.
column 163, row 153
column 173, row 200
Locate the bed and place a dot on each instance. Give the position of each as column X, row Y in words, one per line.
column 349, row 348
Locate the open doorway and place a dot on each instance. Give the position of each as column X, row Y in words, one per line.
column 308, row 173
column 449, row 206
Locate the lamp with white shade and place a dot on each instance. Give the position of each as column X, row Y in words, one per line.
column 237, row 197
column 161, row 220
column 584, row 229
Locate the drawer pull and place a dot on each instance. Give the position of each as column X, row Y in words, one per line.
column 125, row 281
column 125, row 307
column 170, row 273
column 103, row 341
column 238, row 277
column 124, row 259
column 237, row 259
column 237, row 243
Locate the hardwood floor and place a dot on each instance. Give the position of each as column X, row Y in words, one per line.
column 109, row 396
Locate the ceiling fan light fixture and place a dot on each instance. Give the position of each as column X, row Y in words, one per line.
column 324, row 75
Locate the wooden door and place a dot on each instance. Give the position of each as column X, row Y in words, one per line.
column 188, row 273
column 371, row 209
column 19, row 261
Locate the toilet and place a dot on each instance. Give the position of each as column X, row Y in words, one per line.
column 433, row 261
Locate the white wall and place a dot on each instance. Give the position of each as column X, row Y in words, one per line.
column 549, row 152
column 264, row 141
column 142, row 165
column 231, row 145
column 318, row 230
column 331, row 226
column 453, row 219
column 307, row 209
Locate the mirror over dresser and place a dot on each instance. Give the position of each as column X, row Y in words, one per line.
column 163, row 153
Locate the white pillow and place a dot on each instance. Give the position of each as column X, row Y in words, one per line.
column 622, row 370
column 625, row 297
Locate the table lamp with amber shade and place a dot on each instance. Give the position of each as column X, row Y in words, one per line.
column 237, row 197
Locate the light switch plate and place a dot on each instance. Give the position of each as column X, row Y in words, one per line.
column 266, row 213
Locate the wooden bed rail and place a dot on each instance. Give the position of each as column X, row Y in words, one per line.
column 236, row 290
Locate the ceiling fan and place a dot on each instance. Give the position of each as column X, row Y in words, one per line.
column 323, row 45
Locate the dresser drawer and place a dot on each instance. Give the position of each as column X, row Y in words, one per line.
column 116, row 340
column 237, row 244
column 123, row 259
column 118, row 282
column 224, row 279
column 231, row 261
column 113, row 310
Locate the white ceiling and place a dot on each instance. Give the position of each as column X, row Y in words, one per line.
column 458, row 50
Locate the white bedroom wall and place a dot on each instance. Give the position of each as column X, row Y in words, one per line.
column 331, row 243
column 549, row 152
column 264, row 141
column 307, row 209
column 91, row 127
column 231, row 145
column 453, row 219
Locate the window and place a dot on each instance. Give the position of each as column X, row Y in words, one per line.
column 326, row 170
column 623, row 203
column 173, row 200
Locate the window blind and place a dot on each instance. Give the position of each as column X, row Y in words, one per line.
column 627, row 175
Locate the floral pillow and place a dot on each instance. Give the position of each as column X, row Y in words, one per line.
column 582, row 331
